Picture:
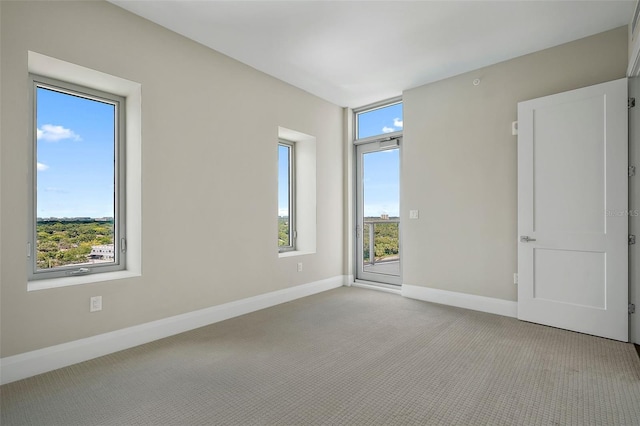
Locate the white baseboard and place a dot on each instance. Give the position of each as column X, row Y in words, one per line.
column 51, row 358
column 491, row 305
column 348, row 280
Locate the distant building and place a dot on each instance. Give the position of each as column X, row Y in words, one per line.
column 384, row 216
column 103, row 219
column 102, row 252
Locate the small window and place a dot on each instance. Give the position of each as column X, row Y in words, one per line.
column 77, row 175
column 286, row 192
column 379, row 119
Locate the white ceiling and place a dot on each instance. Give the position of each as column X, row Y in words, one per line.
column 353, row 53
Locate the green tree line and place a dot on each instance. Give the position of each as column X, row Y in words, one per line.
column 283, row 231
column 386, row 241
column 69, row 242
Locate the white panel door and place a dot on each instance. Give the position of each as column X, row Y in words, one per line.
column 572, row 205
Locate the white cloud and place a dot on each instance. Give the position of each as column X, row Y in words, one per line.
column 386, row 129
column 52, row 133
column 376, row 210
column 58, row 190
column 42, row 167
column 397, row 122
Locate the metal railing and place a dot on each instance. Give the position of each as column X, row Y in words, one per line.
column 370, row 225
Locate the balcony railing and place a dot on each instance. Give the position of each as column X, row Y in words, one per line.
column 384, row 246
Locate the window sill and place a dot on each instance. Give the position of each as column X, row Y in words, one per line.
column 293, row 253
column 84, row 279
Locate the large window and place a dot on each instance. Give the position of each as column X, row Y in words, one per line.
column 379, row 119
column 286, row 196
column 77, row 175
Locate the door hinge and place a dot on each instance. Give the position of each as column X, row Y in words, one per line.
column 632, row 308
column 632, row 239
column 631, row 102
column 632, row 171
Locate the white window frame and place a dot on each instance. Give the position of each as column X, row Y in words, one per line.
column 132, row 92
column 305, row 191
column 119, row 102
column 382, row 140
column 372, row 107
column 292, row 195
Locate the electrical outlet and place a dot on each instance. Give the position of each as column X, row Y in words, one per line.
column 299, row 266
column 95, row 304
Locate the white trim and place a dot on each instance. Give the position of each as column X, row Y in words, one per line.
column 293, row 253
column 48, row 283
column 634, row 206
column 386, row 288
column 348, row 280
column 349, row 197
column 490, row 305
column 304, row 188
column 47, row 359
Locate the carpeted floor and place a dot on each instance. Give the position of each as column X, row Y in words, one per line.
column 347, row 356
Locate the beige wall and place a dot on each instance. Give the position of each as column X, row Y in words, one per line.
column 209, row 127
column 459, row 163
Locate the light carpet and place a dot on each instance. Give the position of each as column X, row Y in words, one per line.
column 346, row 356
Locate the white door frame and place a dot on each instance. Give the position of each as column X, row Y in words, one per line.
column 634, row 211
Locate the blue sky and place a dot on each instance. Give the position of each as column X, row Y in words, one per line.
column 381, row 178
column 382, row 173
column 380, row 121
column 283, row 173
column 75, row 156
column 380, row 181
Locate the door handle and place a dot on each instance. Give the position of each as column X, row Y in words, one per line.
column 526, row 239
column 79, row 271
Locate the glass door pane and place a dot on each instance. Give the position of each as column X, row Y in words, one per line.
column 378, row 227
